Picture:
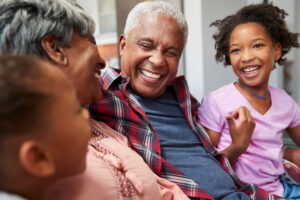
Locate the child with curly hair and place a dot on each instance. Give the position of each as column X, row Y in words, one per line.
column 252, row 41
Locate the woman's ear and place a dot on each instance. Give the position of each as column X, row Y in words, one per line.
column 55, row 52
column 278, row 51
column 36, row 159
column 122, row 42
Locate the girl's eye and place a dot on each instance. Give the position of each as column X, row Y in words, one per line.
column 234, row 50
column 257, row 46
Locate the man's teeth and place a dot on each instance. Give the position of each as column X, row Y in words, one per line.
column 150, row 74
column 250, row 69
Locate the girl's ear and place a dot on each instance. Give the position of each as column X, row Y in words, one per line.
column 55, row 52
column 36, row 159
column 122, row 42
column 278, row 50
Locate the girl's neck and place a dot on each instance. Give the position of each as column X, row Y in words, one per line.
column 257, row 92
column 261, row 105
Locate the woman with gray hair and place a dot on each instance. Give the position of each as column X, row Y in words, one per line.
column 61, row 32
column 58, row 30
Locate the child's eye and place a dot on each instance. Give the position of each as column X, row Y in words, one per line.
column 257, row 46
column 235, row 50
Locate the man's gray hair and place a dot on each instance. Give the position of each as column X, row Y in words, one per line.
column 154, row 8
column 23, row 24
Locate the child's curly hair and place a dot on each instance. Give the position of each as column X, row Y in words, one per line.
column 266, row 14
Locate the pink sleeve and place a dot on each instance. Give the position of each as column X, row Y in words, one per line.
column 106, row 175
column 97, row 182
column 209, row 114
column 296, row 115
column 148, row 185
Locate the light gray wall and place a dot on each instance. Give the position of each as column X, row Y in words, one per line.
column 91, row 7
column 194, row 48
column 292, row 83
column 216, row 75
column 123, row 8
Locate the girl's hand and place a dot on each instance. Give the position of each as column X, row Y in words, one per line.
column 241, row 127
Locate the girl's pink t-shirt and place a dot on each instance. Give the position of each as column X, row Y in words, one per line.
column 261, row 164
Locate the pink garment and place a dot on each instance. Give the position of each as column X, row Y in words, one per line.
column 115, row 172
column 262, row 163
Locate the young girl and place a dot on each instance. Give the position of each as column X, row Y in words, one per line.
column 252, row 41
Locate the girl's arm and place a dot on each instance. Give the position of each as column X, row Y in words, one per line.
column 232, row 152
column 293, row 154
column 214, row 136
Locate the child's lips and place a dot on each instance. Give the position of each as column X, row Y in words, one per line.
column 250, row 71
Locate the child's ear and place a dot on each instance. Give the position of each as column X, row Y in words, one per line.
column 55, row 52
column 36, row 160
column 278, row 50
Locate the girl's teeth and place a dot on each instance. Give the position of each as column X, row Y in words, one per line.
column 250, row 69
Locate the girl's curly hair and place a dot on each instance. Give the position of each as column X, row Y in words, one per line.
column 269, row 16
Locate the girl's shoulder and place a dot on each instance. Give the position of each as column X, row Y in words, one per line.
column 280, row 98
column 225, row 91
column 278, row 93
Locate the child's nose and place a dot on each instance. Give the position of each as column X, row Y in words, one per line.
column 247, row 55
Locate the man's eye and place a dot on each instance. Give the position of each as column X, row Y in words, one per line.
column 171, row 53
column 145, row 46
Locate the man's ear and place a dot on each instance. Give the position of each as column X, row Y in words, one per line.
column 36, row 160
column 55, row 52
column 122, row 42
column 278, row 51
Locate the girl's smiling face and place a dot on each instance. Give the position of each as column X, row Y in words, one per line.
column 253, row 54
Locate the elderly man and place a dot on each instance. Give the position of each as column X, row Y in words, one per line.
column 157, row 114
column 60, row 32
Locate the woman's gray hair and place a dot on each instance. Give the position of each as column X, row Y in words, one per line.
column 154, row 8
column 23, row 24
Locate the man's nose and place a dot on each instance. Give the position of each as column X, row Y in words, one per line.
column 157, row 59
